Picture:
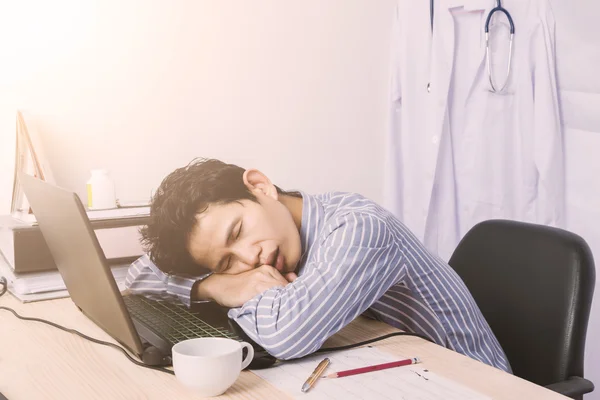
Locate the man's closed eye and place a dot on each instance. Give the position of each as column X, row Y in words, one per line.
column 237, row 236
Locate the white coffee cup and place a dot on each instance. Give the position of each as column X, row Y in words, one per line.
column 210, row 365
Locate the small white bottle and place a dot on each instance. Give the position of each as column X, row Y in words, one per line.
column 100, row 191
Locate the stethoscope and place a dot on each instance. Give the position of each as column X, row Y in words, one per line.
column 488, row 56
column 487, row 45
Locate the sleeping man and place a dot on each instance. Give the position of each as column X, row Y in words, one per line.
column 295, row 268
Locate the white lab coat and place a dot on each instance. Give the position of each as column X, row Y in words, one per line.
column 457, row 153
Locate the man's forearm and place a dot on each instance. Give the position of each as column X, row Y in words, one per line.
column 233, row 290
column 295, row 321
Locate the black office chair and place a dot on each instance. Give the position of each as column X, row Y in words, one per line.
column 534, row 285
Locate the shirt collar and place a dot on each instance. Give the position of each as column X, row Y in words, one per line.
column 312, row 216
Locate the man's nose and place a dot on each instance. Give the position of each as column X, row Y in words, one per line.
column 248, row 254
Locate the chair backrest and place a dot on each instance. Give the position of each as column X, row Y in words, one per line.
column 534, row 285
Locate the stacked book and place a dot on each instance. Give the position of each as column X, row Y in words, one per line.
column 25, row 260
column 28, row 266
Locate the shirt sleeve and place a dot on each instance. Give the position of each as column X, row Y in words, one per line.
column 145, row 278
column 354, row 266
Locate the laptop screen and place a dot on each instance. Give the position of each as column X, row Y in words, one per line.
column 80, row 259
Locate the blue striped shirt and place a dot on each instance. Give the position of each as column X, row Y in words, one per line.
column 356, row 257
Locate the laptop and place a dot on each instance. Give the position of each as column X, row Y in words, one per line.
column 148, row 328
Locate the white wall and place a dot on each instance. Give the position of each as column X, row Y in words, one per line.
column 297, row 89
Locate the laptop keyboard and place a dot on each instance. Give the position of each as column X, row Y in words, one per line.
column 173, row 322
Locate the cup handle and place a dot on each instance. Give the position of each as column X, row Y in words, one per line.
column 249, row 356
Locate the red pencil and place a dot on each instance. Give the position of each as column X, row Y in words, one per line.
column 372, row 368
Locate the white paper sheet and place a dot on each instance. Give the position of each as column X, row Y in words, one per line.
column 412, row 382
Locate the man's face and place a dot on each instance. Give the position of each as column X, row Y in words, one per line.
column 240, row 236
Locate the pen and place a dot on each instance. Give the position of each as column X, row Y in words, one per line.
column 315, row 375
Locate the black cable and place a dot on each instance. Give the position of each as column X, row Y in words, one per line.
column 3, row 286
column 377, row 339
column 91, row 339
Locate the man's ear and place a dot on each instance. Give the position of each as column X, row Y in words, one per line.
column 257, row 181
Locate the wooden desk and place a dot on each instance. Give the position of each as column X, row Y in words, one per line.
column 41, row 362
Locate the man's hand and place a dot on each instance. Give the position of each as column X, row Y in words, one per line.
column 233, row 290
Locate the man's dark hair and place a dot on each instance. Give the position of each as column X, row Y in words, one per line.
column 182, row 195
